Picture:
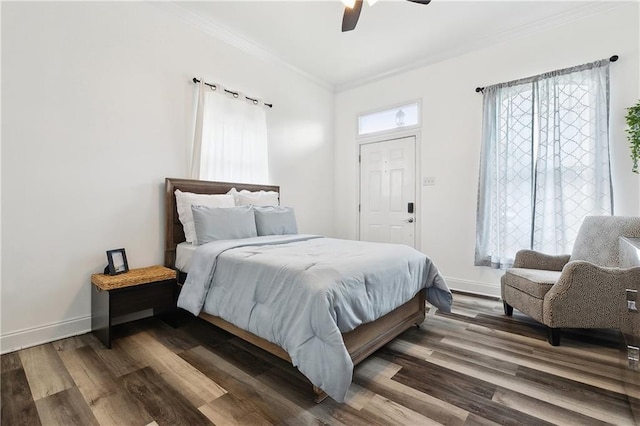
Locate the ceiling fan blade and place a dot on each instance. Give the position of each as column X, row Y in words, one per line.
column 420, row 1
column 351, row 15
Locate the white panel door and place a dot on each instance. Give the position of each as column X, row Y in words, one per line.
column 387, row 188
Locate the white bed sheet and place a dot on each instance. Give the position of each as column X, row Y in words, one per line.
column 184, row 254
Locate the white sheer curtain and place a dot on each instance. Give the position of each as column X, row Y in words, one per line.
column 544, row 162
column 230, row 138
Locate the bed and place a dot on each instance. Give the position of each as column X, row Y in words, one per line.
column 360, row 342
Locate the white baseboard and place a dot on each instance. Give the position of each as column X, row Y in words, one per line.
column 33, row 336
column 475, row 287
column 28, row 337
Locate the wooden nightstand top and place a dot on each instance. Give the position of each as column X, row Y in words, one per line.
column 133, row 277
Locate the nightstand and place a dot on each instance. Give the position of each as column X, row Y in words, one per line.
column 136, row 290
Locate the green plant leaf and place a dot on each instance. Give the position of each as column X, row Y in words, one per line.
column 633, row 134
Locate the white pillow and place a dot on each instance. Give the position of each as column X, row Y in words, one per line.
column 257, row 198
column 184, row 201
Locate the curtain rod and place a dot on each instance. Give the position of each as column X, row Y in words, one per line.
column 231, row 92
column 611, row 59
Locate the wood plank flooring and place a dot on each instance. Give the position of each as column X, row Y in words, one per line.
column 474, row 366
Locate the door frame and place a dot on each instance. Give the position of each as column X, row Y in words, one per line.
column 415, row 133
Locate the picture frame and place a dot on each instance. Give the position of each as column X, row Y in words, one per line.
column 117, row 259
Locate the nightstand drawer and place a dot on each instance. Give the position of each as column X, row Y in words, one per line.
column 134, row 299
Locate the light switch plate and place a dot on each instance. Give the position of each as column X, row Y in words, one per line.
column 429, row 181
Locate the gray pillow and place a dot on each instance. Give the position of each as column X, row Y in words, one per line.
column 223, row 223
column 275, row 220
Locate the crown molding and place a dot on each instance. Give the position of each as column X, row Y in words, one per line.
column 593, row 8
column 223, row 34
column 248, row 46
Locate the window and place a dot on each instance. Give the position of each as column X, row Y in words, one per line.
column 230, row 142
column 544, row 163
column 389, row 119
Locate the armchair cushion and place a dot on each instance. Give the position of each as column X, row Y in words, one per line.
column 534, row 282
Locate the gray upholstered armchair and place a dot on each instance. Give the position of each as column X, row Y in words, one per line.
column 583, row 290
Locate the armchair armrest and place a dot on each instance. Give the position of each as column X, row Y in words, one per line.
column 589, row 296
column 531, row 259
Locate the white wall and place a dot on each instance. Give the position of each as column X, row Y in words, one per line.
column 450, row 134
column 96, row 112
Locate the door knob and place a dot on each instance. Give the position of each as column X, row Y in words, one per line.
column 410, row 220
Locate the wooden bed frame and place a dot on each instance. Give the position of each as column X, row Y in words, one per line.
column 360, row 343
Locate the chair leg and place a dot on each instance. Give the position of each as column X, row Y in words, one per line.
column 553, row 336
column 508, row 309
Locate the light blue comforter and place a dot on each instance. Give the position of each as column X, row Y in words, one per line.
column 302, row 291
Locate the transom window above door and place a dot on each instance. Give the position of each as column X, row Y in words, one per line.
column 395, row 118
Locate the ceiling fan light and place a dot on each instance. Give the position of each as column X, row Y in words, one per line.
column 372, row 2
column 349, row 3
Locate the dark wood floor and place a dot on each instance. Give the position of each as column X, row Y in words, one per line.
column 471, row 367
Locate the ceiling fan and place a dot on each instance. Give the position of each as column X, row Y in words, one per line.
column 352, row 12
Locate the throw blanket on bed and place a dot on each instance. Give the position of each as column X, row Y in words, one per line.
column 302, row 291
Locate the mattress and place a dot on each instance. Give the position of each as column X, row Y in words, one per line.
column 184, row 254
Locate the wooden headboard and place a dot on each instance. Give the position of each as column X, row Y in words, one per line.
column 174, row 233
